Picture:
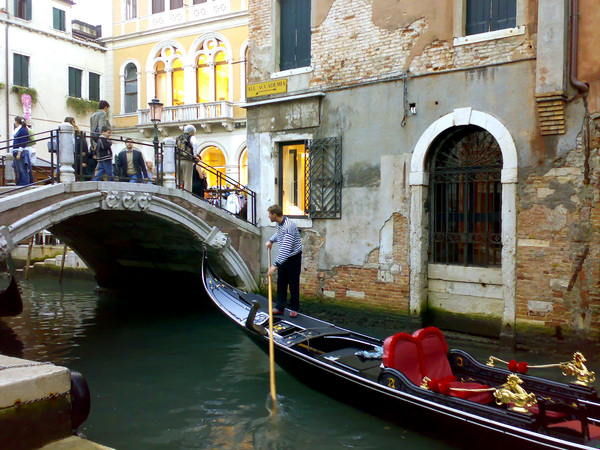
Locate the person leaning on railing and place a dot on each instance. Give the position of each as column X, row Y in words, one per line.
column 21, row 162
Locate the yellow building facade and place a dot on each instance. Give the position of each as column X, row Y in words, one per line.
column 191, row 56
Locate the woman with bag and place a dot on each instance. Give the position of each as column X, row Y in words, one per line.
column 21, row 162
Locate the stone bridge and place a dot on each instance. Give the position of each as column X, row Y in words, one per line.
column 135, row 235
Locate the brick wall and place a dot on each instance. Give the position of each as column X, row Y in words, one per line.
column 381, row 284
column 558, row 257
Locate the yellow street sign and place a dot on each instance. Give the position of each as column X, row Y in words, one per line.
column 268, row 88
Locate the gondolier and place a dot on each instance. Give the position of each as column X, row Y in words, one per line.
column 288, row 261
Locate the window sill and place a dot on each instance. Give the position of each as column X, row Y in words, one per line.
column 490, row 36
column 297, row 71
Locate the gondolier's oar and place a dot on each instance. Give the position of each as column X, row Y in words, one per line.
column 271, row 344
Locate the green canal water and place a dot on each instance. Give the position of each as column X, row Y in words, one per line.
column 174, row 373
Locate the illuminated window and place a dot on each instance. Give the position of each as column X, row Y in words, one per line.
column 292, row 188
column 244, row 167
column 169, row 76
column 214, row 157
column 160, row 80
column 212, row 74
column 178, row 88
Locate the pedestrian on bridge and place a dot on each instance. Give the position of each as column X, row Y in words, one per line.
column 21, row 162
column 104, row 156
column 130, row 164
column 288, row 262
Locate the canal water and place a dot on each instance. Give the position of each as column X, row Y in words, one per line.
column 174, row 373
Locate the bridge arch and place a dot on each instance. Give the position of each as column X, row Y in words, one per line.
column 132, row 233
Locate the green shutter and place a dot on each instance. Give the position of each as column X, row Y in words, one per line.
column 20, row 70
column 303, row 33
column 504, row 14
column 74, row 82
column 94, row 87
column 287, row 35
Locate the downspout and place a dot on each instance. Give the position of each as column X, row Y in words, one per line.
column 581, row 86
column 6, row 88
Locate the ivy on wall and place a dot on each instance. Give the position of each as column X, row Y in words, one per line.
column 81, row 106
column 20, row 90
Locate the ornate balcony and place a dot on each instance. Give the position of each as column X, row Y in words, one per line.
column 206, row 115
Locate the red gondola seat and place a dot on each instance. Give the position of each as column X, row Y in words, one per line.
column 400, row 352
column 433, row 351
column 577, row 424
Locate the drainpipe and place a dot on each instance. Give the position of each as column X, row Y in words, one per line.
column 7, row 87
column 581, row 86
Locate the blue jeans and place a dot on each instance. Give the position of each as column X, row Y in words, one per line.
column 133, row 178
column 22, row 168
column 104, row 168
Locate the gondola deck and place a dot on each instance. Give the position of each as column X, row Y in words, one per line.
column 338, row 360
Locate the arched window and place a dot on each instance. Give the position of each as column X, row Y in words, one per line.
column 168, row 75
column 160, row 80
column 243, row 170
column 214, row 157
column 130, row 88
column 178, row 87
column 466, row 198
column 212, row 73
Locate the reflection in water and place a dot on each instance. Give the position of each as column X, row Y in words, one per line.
column 170, row 374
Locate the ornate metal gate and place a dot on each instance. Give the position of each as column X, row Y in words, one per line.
column 466, row 199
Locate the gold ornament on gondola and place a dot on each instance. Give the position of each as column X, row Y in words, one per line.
column 577, row 368
column 512, row 394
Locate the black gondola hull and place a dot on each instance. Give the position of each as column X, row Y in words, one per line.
column 462, row 423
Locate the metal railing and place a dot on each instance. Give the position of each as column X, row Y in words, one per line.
column 49, row 171
column 42, row 170
column 218, row 193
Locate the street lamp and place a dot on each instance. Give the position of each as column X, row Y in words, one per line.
column 155, row 116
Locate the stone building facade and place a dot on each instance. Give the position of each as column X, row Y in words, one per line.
column 439, row 157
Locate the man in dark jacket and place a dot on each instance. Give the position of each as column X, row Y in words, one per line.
column 130, row 164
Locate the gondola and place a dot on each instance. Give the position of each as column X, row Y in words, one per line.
column 414, row 378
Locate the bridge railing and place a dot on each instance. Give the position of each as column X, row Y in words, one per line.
column 41, row 170
column 225, row 193
column 70, row 160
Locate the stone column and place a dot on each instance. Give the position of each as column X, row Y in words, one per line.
column 169, row 163
column 66, row 152
column 11, row 178
column 419, row 243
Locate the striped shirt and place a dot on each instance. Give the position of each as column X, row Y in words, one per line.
column 288, row 237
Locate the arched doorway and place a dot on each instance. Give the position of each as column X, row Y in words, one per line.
column 452, row 278
column 243, row 167
column 465, row 199
column 214, row 157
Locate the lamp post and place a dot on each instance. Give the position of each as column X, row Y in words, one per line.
column 155, row 116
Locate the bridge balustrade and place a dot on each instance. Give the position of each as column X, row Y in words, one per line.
column 68, row 148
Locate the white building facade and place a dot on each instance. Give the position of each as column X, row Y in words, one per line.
column 55, row 58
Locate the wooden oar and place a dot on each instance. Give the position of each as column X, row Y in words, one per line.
column 271, row 345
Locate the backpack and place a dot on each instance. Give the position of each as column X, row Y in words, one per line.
column 183, row 146
column 31, row 141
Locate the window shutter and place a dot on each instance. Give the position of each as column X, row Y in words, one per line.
column 504, row 14
column 28, row 10
column 287, row 34
column 94, row 87
column 74, row 82
column 325, row 178
column 478, row 16
column 20, row 70
column 303, row 33
column 158, row 6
